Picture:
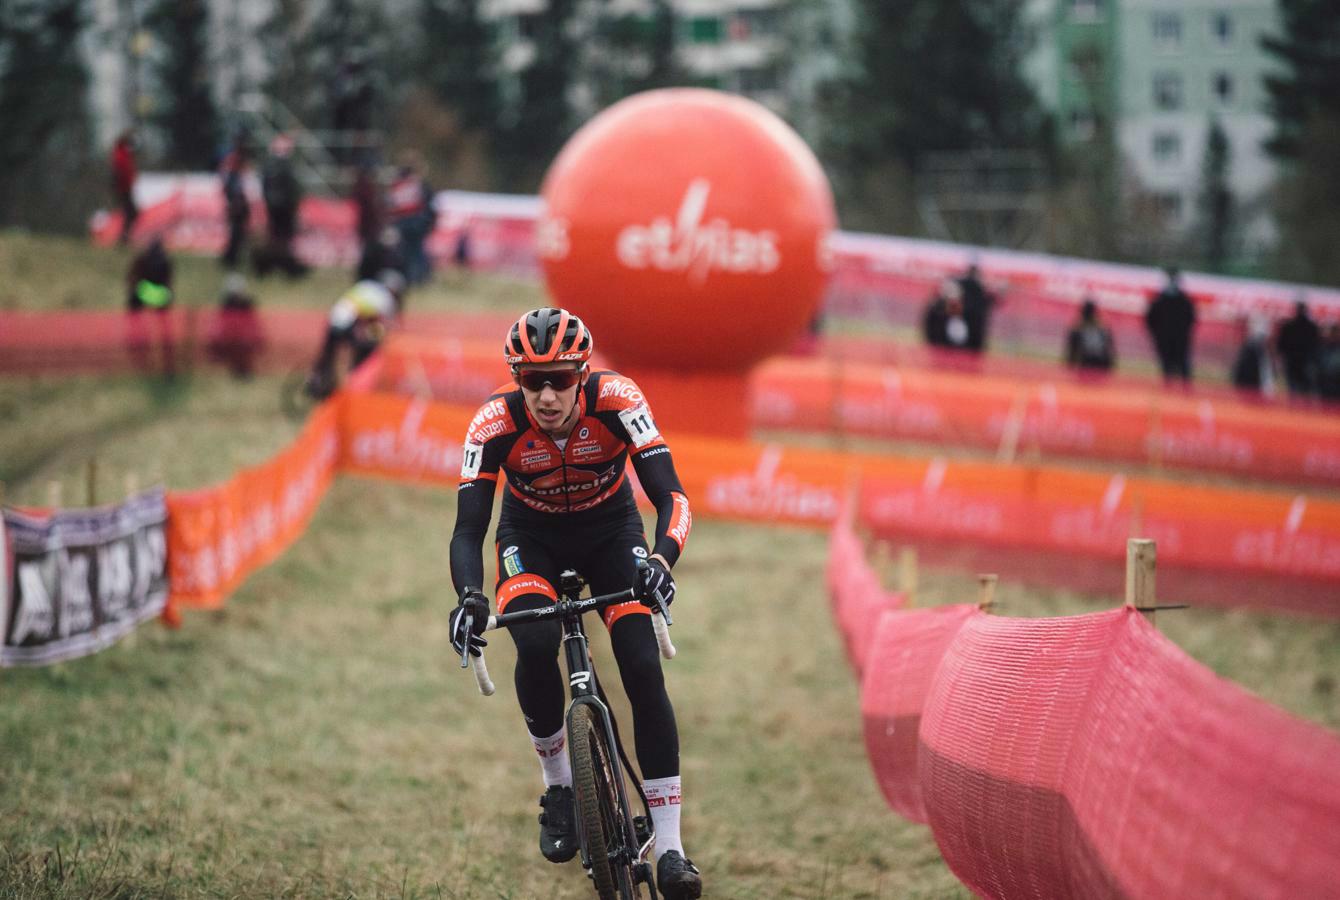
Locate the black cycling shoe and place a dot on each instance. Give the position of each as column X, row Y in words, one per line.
column 558, row 825
column 678, row 878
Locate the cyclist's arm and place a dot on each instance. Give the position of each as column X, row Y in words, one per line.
column 474, row 507
column 481, row 462
column 656, row 472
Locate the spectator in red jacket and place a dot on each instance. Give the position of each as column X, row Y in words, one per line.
column 123, row 182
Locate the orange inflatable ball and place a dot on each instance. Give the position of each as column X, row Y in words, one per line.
column 689, row 229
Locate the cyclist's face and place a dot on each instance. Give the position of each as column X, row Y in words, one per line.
column 549, row 401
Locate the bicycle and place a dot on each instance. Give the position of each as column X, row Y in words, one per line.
column 614, row 844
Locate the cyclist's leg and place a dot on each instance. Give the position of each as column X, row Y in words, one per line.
column 526, row 575
column 655, row 733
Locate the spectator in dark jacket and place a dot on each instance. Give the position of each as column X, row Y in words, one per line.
column 1298, row 344
column 1089, row 344
column 943, row 323
column 237, row 208
column 1254, row 369
column 409, row 207
column 1171, row 317
column 978, row 303
column 1328, row 364
column 283, row 195
column 237, row 337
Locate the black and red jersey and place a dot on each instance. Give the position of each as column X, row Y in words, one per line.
column 579, row 480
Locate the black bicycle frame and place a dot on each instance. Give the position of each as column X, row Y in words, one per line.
column 582, row 686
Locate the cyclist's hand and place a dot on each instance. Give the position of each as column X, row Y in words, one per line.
column 655, row 586
column 473, row 603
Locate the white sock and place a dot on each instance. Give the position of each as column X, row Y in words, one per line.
column 663, row 795
column 554, row 763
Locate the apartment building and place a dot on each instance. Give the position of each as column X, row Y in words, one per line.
column 1160, row 71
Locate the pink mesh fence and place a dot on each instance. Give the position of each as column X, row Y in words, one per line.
column 1088, row 756
column 904, row 653
column 858, row 599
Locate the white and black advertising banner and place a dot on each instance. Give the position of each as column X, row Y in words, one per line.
column 80, row 579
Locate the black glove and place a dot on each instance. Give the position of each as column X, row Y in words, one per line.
column 473, row 603
column 655, row 586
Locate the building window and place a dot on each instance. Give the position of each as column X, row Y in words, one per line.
column 705, row 30
column 1167, row 29
column 1167, row 148
column 1221, row 28
column 1169, row 206
column 1168, row 90
column 1221, row 84
column 759, row 81
column 1082, row 125
column 1086, row 10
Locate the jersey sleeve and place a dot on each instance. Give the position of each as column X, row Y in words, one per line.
column 632, row 421
column 481, row 461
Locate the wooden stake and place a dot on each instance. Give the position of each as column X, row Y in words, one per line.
column 907, row 574
column 1140, row 557
column 131, row 484
column 55, row 492
column 1014, row 426
column 986, row 592
column 91, row 479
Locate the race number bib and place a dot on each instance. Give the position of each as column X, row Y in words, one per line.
column 471, row 458
column 639, row 424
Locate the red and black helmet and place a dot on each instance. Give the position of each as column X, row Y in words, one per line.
column 547, row 335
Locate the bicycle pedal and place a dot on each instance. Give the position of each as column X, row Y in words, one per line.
column 642, row 873
column 642, row 828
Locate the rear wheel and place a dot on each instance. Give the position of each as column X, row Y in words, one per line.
column 598, row 808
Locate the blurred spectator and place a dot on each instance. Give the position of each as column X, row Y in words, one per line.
column 149, row 287
column 283, row 195
column 237, row 338
column 237, row 208
column 1253, row 369
column 358, row 320
column 944, row 323
column 366, row 194
column 1170, row 319
column 462, row 255
column 124, row 173
column 409, row 208
column 380, row 255
column 1298, row 344
column 978, row 303
column 1328, row 364
column 1089, row 344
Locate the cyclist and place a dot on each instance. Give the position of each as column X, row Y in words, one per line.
column 358, row 319
column 561, row 437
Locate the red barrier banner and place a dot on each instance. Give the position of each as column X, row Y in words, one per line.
column 858, row 599
column 218, row 535
column 1101, row 761
column 1152, row 426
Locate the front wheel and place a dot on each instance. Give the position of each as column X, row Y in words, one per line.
column 601, row 816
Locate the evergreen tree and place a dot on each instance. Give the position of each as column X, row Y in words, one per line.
column 1304, row 101
column 457, row 61
column 45, row 135
column 185, row 109
column 540, row 118
column 926, row 76
column 1308, row 86
column 1216, row 198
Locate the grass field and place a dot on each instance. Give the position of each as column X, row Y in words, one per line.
column 316, row 739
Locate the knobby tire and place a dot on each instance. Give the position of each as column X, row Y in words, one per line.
column 598, row 804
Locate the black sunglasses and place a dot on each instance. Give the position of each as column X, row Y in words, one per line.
column 558, row 379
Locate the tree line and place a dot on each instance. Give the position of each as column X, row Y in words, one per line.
column 922, row 114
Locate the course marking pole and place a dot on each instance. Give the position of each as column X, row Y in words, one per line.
column 1140, row 559
column 986, row 592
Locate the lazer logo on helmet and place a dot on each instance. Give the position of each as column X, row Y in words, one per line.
column 697, row 247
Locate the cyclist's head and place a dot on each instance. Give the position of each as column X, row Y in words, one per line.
column 548, row 335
